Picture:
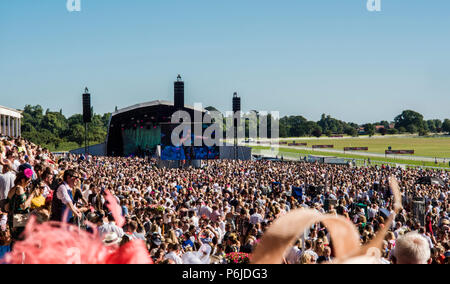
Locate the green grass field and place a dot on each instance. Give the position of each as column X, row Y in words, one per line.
column 297, row 153
column 67, row 146
column 423, row 147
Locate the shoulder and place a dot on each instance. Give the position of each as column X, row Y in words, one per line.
column 62, row 186
column 20, row 190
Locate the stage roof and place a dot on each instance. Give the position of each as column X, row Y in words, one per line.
column 150, row 104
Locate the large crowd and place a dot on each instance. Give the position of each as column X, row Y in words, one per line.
column 218, row 213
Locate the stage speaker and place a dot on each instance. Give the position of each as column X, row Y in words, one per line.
column 179, row 94
column 236, row 108
column 236, row 103
column 87, row 115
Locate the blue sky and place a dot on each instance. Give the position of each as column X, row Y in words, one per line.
column 303, row 57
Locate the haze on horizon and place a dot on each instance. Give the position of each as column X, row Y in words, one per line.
column 296, row 57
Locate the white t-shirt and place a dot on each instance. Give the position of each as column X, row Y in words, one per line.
column 6, row 183
column 63, row 193
column 293, row 255
column 205, row 210
column 86, row 194
column 173, row 256
column 195, row 220
column 255, row 219
column 16, row 165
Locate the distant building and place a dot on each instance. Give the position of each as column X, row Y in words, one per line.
column 10, row 122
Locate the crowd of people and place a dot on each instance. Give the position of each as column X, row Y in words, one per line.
column 219, row 213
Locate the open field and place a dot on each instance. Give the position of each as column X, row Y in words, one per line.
column 298, row 153
column 67, row 146
column 424, row 147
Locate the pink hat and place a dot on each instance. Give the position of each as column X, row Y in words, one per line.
column 28, row 173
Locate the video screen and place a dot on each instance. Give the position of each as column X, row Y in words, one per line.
column 141, row 140
column 178, row 143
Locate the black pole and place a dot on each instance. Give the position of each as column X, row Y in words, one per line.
column 235, row 142
column 236, row 110
column 87, row 116
column 85, row 140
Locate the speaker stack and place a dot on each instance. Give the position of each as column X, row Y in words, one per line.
column 179, row 94
column 87, row 115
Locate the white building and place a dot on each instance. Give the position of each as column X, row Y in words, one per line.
column 10, row 122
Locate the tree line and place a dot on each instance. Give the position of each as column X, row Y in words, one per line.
column 55, row 131
column 408, row 121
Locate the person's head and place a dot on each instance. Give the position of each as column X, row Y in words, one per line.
column 47, row 176
column 10, row 155
column 22, row 179
column 390, row 236
column 412, row 248
column 110, row 218
column 174, row 247
column 308, row 244
column 306, row 258
column 70, row 177
column 132, row 226
column 6, row 168
column 39, row 189
column 38, row 169
column 124, row 241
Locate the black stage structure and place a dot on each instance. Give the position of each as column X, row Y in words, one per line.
column 146, row 116
column 144, row 129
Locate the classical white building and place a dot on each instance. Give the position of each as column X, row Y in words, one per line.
column 10, row 122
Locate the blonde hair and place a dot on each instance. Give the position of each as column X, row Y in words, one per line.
column 306, row 258
column 390, row 236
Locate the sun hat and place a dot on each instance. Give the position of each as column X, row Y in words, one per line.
column 111, row 239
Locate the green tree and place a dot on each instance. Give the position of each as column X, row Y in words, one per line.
column 423, row 132
column 446, row 126
column 412, row 129
column 55, row 122
column 392, row 131
column 76, row 134
column 317, row 132
column 431, row 125
column 351, row 131
column 438, row 124
column 410, row 120
column 33, row 114
column 53, row 129
column 369, row 129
